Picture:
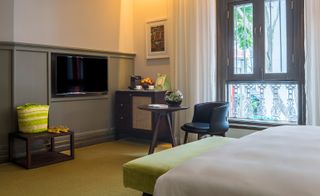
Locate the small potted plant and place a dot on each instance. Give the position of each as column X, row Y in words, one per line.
column 173, row 98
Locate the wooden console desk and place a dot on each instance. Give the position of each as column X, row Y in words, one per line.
column 133, row 122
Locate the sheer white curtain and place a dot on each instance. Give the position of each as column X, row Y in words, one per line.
column 312, row 65
column 194, row 27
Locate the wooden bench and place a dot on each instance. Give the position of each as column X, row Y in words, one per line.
column 38, row 159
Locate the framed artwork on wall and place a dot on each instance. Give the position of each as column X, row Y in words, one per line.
column 156, row 39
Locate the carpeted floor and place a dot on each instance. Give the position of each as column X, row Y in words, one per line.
column 96, row 170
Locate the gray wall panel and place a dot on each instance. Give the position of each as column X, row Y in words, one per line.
column 30, row 77
column 80, row 115
column 5, row 100
column 120, row 71
column 92, row 117
column 6, row 20
column 94, row 113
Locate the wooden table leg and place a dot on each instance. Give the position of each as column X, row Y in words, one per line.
column 155, row 135
column 28, row 151
column 52, row 144
column 72, row 145
column 185, row 137
column 11, row 147
column 171, row 130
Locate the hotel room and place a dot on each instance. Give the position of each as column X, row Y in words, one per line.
column 159, row 97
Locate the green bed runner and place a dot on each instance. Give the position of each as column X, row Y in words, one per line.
column 141, row 174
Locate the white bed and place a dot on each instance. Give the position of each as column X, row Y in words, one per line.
column 280, row 161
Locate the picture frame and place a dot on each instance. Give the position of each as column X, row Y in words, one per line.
column 156, row 39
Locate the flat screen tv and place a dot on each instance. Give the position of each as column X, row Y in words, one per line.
column 74, row 75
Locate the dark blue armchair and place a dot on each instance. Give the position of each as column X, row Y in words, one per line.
column 208, row 118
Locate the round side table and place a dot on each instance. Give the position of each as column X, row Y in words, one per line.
column 162, row 113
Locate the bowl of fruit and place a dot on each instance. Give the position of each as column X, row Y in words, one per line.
column 146, row 82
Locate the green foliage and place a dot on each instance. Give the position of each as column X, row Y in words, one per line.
column 173, row 96
column 243, row 22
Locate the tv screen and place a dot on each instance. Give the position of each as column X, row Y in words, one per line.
column 79, row 75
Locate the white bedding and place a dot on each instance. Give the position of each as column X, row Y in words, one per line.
column 282, row 161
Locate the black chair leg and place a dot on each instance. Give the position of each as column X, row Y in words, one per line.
column 185, row 138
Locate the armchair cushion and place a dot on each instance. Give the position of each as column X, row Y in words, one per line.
column 196, row 127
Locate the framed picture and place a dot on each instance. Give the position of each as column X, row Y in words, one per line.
column 156, row 39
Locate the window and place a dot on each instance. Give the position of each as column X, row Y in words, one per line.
column 264, row 60
column 243, row 38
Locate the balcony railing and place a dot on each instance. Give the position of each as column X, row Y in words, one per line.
column 267, row 102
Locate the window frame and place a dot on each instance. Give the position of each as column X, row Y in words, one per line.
column 295, row 51
column 256, row 72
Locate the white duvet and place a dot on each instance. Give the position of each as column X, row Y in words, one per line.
column 282, row 161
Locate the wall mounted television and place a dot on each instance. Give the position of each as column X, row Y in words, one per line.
column 78, row 75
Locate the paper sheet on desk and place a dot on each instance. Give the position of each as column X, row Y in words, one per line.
column 158, row 105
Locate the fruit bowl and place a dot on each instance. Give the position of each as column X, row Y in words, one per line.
column 146, row 82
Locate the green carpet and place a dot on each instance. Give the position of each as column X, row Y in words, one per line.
column 96, row 170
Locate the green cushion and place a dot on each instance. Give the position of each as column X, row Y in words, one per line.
column 141, row 174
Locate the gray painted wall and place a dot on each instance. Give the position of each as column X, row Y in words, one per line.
column 6, row 20
column 5, row 100
column 91, row 117
column 30, row 77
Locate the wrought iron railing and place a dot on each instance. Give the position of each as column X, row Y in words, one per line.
column 275, row 102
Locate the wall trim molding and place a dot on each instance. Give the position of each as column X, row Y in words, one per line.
column 53, row 48
column 85, row 138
